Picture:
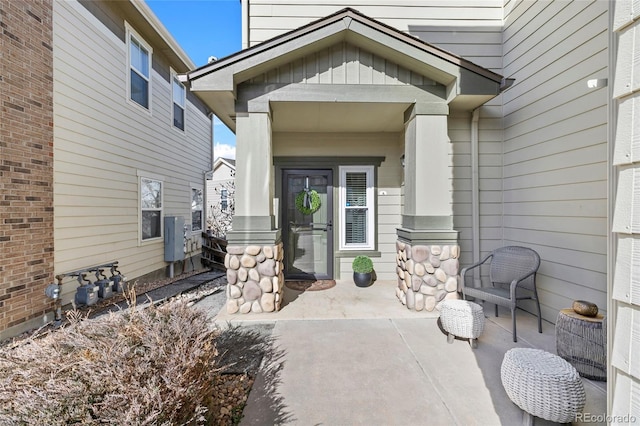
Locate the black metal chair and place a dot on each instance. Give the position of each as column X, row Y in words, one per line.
column 511, row 268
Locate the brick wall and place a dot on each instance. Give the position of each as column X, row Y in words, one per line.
column 26, row 162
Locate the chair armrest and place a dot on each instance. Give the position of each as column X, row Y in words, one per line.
column 468, row 268
column 515, row 282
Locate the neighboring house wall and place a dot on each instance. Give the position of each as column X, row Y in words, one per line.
column 624, row 319
column 555, row 146
column 222, row 177
column 26, row 166
column 104, row 142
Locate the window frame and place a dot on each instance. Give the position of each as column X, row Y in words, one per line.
column 132, row 34
column 370, row 206
column 224, row 199
column 155, row 178
column 174, row 82
column 197, row 188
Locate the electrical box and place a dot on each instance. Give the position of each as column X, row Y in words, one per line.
column 173, row 238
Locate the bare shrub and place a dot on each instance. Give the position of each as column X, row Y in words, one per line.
column 220, row 214
column 153, row 366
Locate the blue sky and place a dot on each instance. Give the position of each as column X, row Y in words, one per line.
column 205, row 28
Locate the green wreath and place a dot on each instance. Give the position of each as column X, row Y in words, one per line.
column 308, row 202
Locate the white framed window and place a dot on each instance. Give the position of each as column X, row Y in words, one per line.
column 151, row 204
column 357, row 209
column 197, row 201
column 224, row 199
column 179, row 96
column 139, row 55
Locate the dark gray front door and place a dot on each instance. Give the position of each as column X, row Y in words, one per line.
column 308, row 236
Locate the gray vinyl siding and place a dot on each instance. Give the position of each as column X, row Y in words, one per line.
column 477, row 23
column 555, row 146
column 102, row 142
column 624, row 374
column 468, row 28
column 489, row 182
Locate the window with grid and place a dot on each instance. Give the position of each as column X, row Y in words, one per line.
column 179, row 102
column 139, row 70
column 150, row 208
column 356, row 208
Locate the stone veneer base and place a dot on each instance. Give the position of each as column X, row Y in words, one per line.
column 427, row 275
column 255, row 278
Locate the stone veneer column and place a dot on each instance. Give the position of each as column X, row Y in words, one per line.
column 254, row 251
column 255, row 278
column 427, row 275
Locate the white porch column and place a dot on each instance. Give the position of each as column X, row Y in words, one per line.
column 254, row 260
column 253, row 221
column 427, row 240
column 428, row 192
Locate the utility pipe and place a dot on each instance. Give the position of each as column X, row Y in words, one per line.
column 244, row 5
column 475, row 195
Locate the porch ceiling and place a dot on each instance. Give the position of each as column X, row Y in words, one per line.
column 338, row 117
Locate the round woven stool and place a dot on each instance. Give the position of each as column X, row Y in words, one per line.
column 462, row 318
column 543, row 385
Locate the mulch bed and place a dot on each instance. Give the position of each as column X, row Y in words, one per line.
column 310, row 285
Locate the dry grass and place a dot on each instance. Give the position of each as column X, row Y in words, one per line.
column 156, row 366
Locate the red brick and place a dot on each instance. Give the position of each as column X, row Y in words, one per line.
column 26, row 111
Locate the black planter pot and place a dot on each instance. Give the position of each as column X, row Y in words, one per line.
column 362, row 279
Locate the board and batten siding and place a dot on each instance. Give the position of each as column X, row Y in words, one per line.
column 103, row 142
column 624, row 323
column 343, row 63
column 388, row 145
column 555, row 146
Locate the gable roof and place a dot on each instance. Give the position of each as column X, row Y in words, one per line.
column 231, row 163
column 216, row 82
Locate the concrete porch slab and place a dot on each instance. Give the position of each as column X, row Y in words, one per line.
column 344, row 301
column 357, row 356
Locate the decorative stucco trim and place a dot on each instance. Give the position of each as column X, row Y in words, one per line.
column 325, row 162
column 427, row 237
column 427, row 222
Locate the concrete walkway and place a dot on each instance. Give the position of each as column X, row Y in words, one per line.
column 356, row 356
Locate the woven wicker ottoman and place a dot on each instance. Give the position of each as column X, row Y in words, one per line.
column 543, row 385
column 462, row 318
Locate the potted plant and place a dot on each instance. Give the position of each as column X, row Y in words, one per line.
column 362, row 271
